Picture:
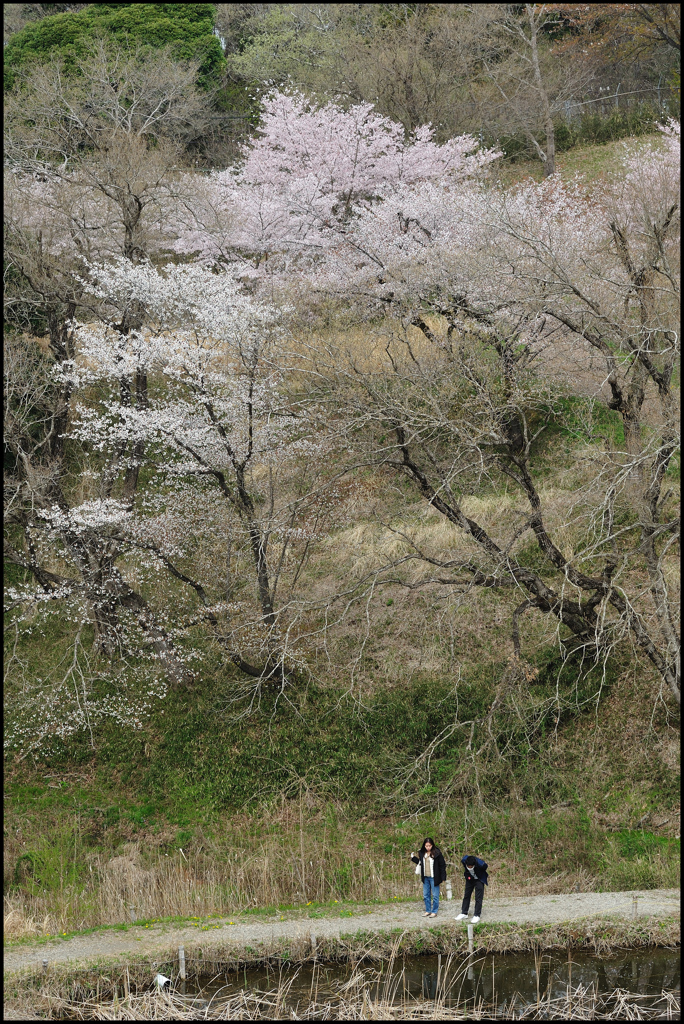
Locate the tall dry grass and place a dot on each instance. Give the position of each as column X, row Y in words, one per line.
column 105, row 989
column 278, row 871
column 576, row 1005
column 367, row 995
column 148, row 884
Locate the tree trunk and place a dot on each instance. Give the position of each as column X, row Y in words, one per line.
column 550, row 156
column 550, row 162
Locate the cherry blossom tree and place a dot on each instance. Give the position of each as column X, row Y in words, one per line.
column 198, row 398
column 88, row 172
column 528, row 270
column 115, row 656
column 91, row 164
column 308, row 175
column 220, row 428
column 524, row 274
column 527, row 274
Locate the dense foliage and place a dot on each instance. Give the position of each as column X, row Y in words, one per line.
column 187, row 28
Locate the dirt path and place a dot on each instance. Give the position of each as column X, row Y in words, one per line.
column 241, row 931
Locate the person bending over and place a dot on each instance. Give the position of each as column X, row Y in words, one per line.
column 475, row 871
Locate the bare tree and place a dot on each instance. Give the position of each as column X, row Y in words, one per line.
column 531, row 84
column 418, row 68
column 519, row 279
column 64, row 116
column 662, row 22
column 18, row 16
column 225, row 432
column 414, row 62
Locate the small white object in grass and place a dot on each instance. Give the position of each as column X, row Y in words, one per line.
column 161, row 980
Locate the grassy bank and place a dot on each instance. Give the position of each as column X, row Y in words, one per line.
column 308, row 852
column 320, row 871
column 592, row 800
column 589, row 160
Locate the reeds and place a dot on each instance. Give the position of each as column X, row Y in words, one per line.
column 137, row 886
column 293, row 869
column 375, row 988
column 363, row 997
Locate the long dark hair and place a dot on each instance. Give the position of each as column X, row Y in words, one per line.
column 435, row 849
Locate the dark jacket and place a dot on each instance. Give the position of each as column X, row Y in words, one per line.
column 438, row 867
column 480, row 868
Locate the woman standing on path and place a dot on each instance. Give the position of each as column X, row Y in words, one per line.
column 432, row 874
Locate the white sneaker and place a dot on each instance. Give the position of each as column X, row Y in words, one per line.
column 474, row 920
column 461, row 917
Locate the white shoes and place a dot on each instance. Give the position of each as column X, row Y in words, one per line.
column 474, row 920
column 461, row 917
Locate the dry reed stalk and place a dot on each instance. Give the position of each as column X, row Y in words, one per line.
column 291, row 869
column 356, row 1002
column 96, row 984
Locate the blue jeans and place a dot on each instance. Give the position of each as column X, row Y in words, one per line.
column 430, row 890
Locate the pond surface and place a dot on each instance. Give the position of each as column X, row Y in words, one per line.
column 496, row 980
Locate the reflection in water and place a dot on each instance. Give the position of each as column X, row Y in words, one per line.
column 497, row 979
column 429, row 985
column 494, row 980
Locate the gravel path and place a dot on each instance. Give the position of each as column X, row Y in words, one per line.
column 241, row 931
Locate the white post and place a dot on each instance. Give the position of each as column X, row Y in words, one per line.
column 45, row 963
column 181, row 962
column 448, row 890
column 471, row 950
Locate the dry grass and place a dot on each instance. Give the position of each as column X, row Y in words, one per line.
column 578, row 1004
column 19, row 924
column 157, row 886
column 154, row 886
column 122, row 991
column 592, row 161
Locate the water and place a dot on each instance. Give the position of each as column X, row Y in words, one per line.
column 493, row 979
column 631, row 984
